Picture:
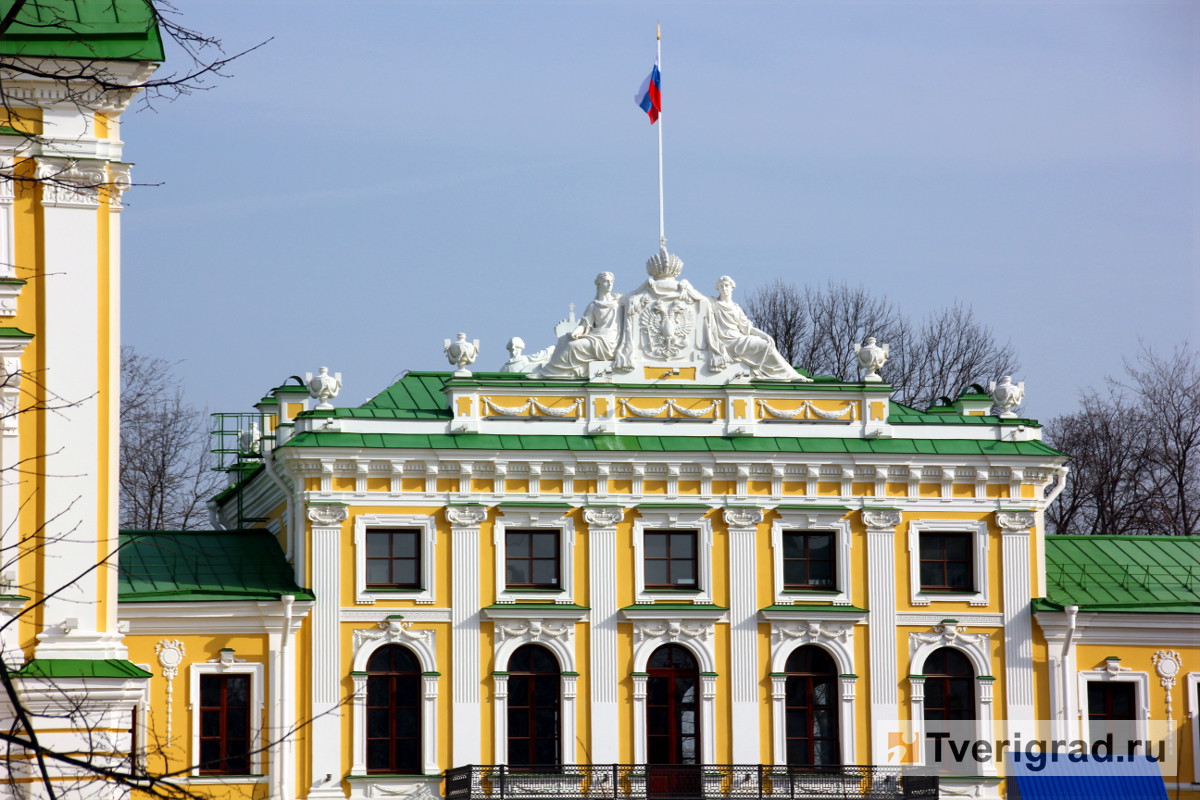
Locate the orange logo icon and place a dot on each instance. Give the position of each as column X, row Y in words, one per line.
column 901, row 749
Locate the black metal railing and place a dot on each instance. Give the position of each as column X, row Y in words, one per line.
column 687, row 782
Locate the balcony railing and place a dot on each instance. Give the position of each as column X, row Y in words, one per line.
column 686, row 782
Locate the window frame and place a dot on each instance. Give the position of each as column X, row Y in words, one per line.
column 679, row 521
column 389, row 587
column 944, row 538
column 813, row 521
column 550, row 518
column 228, row 664
column 693, row 558
column 978, row 529
column 426, row 524
column 531, row 558
column 1141, row 695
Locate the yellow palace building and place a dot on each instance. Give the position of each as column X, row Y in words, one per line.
column 653, row 560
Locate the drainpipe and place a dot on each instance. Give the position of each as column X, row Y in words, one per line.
column 1058, row 487
column 1071, row 612
column 214, row 516
column 283, row 725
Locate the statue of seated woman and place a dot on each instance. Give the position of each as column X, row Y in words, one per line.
column 733, row 337
column 594, row 339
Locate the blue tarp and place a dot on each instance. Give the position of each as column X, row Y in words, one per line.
column 1084, row 778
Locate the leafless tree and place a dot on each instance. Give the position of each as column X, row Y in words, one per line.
column 165, row 466
column 1135, row 451
column 815, row 329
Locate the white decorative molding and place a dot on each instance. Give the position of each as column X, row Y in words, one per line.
column 71, row 183
column 682, row 519
column 1191, row 688
column 743, row 517
column 328, row 516
column 170, row 654
column 1015, row 521
column 426, row 525
column 979, row 561
column 972, row 618
column 394, row 787
column 881, row 519
column 535, row 518
column 816, row 521
column 229, row 664
column 603, row 516
column 410, row 614
column 1112, row 670
column 672, row 630
column 671, row 407
column 396, row 629
column 838, row 640
column 807, row 407
column 744, row 677
column 559, row 638
column 120, row 180
column 977, row 648
column 1167, row 663
column 573, row 409
column 466, row 516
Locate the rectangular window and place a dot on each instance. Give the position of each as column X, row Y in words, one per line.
column 224, row 725
column 1110, row 703
column 670, row 560
column 394, row 558
column 531, row 559
column 946, row 562
column 808, row 561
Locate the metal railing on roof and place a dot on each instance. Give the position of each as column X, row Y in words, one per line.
column 1127, row 576
column 240, row 440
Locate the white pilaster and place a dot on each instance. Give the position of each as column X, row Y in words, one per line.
column 325, row 655
column 1018, row 620
column 464, row 641
column 881, row 599
column 743, row 635
column 602, row 581
column 70, row 327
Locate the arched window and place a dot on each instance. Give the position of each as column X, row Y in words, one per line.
column 673, row 707
column 811, row 706
column 393, row 711
column 949, row 686
column 534, row 707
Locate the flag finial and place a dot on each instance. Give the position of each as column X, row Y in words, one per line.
column 659, row 24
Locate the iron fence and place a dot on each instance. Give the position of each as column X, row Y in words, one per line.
column 687, row 782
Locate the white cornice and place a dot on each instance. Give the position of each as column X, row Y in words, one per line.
column 227, row 616
column 812, row 614
column 1100, row 627
column 523, row 611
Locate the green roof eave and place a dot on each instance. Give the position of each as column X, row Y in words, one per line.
column 716, row 444
column 675, row 607
column 1045, row 604
column 80, row 668
column 536, row 607
column 14, row 333
column 210, row 597
column 113, row 30
column 811, row 606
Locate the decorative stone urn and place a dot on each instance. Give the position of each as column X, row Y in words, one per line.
column 462, row 354
column 1007, row 395
column 324, row 387
column 871, row 358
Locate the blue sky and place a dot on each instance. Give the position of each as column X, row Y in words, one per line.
column 383, row 175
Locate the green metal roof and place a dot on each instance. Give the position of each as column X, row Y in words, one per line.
column 115, row 30
column 1123, row 573
column 80, row 668
column 712, row 444
column 181, row 566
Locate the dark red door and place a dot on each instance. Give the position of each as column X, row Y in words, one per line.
column 673, row 724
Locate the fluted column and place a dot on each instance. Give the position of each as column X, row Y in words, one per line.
column 746, row 707
column 465, row 725
column 1018, row 621
column 881, row 599
column 325, row 650
column 602, row 586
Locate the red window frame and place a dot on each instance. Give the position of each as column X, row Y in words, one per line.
column 224, row 724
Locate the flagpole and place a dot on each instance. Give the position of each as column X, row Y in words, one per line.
column 662, row 230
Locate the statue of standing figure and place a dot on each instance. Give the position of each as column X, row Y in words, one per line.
column 593, row 339
column 735, row 339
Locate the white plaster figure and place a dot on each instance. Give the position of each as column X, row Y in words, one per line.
column 520, row 363
column 461, row 354
column 664, row 320
column 735, row 339
column 324, row 387
column 593, row 339
column 1007, row 395
column 871, row 358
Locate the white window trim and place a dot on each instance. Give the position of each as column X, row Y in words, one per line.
column 141, row 721
column 976, row 647
column 979, row 556
column 695, row 631
column 423, row 644
column 1191, row 685
column 789, row 521
column 1141, row 699
column 546, row 519
column 229, row 665
column 424, row 522
column 680, row 520
column 837, row 639
column 563, row 647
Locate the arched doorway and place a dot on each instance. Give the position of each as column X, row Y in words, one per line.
column 672, row 722
column 534, row 708
column 949, row 686
column 811, row 708
column 393, row 711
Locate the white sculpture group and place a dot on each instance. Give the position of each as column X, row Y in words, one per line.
column 665, row 322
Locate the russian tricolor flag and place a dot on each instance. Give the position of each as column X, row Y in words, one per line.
column 649, row 97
